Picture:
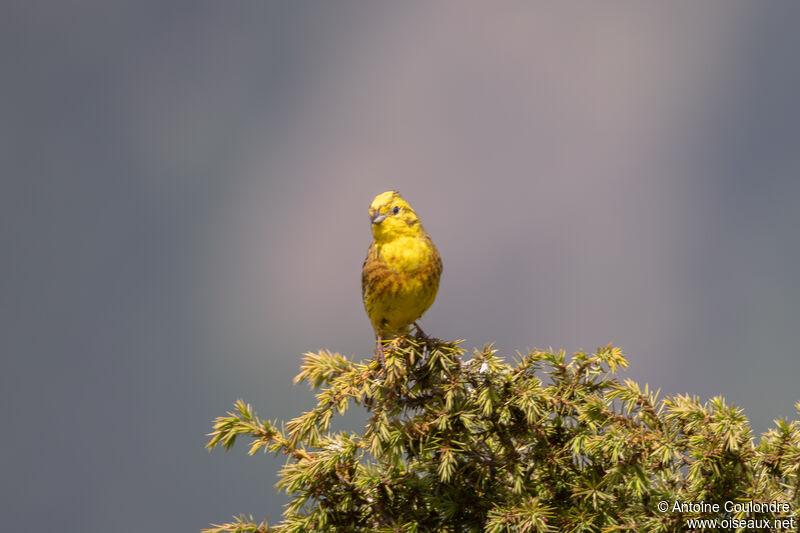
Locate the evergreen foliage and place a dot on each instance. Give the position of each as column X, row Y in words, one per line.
column 544, row 445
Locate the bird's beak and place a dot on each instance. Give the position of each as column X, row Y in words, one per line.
column 377, row 217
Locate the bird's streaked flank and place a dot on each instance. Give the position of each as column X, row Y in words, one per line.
column 401, row 273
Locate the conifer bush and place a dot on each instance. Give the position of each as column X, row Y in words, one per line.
column 545, row 444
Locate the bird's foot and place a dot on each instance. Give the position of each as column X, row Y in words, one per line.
column 379, row 350
column 422, row 335
column 427, row 339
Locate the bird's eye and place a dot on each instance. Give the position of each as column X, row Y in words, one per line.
column 396, row 209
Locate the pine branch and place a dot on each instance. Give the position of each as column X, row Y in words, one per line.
column 546, row 444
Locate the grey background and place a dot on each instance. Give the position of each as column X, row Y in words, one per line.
column 183, row 198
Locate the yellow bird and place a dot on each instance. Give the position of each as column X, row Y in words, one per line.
column 401, row 273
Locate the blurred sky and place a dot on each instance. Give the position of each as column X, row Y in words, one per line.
column 183, row 212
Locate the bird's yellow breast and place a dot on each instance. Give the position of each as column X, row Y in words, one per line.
column 400, row 280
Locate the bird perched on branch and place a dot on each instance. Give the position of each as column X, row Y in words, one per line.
column 401, row 273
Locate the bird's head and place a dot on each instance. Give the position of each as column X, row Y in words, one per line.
column 392, row 217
